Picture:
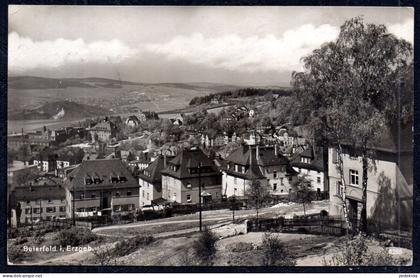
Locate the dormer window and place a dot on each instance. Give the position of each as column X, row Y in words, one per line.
column 305, row 160
column 88, row 181
column 236, row 168
column 123, row 179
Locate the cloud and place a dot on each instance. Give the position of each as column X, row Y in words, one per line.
column 26, row 54
column 247, row 54
column 403, row 30
column 231, row 52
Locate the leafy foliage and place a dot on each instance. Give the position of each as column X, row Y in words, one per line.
column 128, row 246
column 354, row 252
column 274, row 252
column 204, row 248
column 302, row 191
column 75, row 236
column 257, row 194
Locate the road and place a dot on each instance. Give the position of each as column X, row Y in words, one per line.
column 219, row 215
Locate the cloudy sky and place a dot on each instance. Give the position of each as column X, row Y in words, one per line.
column 235, row 45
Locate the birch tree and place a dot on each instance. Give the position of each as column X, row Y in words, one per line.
column 350, row 91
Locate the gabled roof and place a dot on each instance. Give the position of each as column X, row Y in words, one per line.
column 190, row 159
column 152, row 173
column 247, row 156
column 266, row 156
column 317, row 159
column 40, row 192
column 103, row 169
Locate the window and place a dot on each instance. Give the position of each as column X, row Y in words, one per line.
column 128, row 193
column 82, row 196
column 27, row 211
column 236, row 168
column 274, row 174
column 188, row 198
column 281, row 181
column 354, row 177
column 318, row 179
column 50, row 209
column 290, row 179
column 188, row 185
column 275, row 186
column 147, row 196
column 49, row 201
column 334, row 156
column 93, row 196
column 62, row 209
column 117, row 194
column 243, row 169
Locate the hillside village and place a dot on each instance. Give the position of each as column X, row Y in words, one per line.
column 240, row 165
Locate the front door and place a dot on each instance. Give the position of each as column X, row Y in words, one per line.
column 353, row 212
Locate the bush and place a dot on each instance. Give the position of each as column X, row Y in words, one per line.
column 204, row 247
column 75, row 236
column 355, row 253
column 274, row 253
column 240, row 247
column 128, row 246
column 15, row 253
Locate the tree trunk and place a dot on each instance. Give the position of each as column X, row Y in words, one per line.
column 363, row 214
column 344, row 188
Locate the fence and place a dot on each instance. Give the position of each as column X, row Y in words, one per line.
column 312, row 224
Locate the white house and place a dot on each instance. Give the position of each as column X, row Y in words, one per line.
column 390, row 181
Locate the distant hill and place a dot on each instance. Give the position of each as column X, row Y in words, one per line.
column 33, row 82
column 59, row 110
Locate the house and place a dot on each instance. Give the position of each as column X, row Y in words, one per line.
column 150, row 181
column 257, row 163
column 103, row 131
column 46, row 163
column 132, row 121
column 19, row 168
column 177, row 120
column 38, row 202
column 17, row 141
column 69, row 158
column 389, row 185
column 313, row 164
column 181, row 178
column 252, row 138
column 99, row 187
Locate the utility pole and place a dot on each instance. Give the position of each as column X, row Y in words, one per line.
column 199, row 194
column 72, row 207
column 233, row 208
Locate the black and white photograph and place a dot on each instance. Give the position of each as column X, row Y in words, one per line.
column 210, row 136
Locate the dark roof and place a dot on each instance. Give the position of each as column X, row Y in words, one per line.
column 152, row 173
column 104, row 169
column 317, row 159
column 266, row 156
column 134, row 119
column 40, row 192
column 247, row 156
column 191, row 159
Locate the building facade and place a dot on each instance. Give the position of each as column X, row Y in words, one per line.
column 313, row 165
column 183, row 175
column 257, row 163
column 390, row 181
column 101, row 187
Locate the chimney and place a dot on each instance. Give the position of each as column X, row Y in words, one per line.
column 250, row 155
column 164, row 160
column 258, row 153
